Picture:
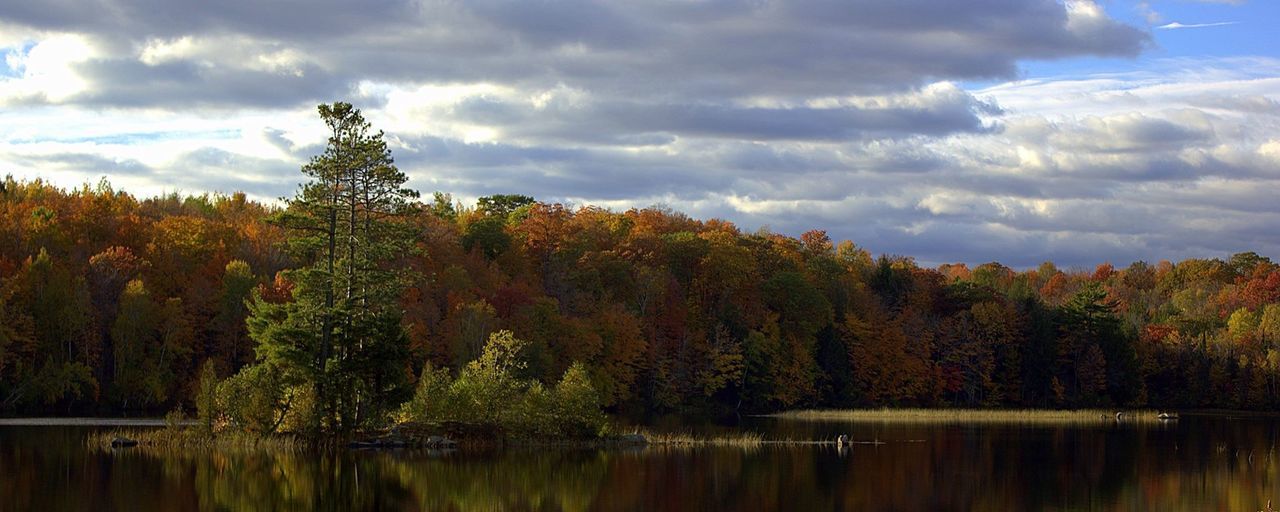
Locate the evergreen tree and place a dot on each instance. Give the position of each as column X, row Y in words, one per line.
column 341, row 334
column 1089, row 319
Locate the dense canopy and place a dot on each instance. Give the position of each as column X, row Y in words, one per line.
column 111, row 303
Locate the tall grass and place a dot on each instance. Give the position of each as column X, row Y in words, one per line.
column 685, row 439
column 744, row 440
column 188, row 439
column 986, row 416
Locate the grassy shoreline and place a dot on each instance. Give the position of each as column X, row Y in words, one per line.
column 189, row 439
column 989, row 416
column 689, row 440
column 186, row 439
column 181, row 436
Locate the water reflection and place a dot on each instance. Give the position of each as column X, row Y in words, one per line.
column 1195, row 464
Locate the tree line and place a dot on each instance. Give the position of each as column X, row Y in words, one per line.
column 355, row 289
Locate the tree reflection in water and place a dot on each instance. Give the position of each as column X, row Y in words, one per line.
column 1197, row 464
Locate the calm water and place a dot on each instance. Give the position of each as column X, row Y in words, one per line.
column 1199, row 463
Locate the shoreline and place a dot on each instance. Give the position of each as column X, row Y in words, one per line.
column 979, row 416
column 87, row 421
column 867, row 414
column 157, row 434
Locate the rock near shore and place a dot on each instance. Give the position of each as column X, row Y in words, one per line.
column 123, row 442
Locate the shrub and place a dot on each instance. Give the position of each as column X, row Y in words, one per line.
column 255, row 399
column 173, row 420
column 300, row 413
column 536, row 416
column 577, row 404
column 488, row 392
column 431, row 399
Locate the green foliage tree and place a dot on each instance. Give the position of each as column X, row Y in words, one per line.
column 488, row 388
column 108, row 273
column 58, row 304
column 801, row 307
column 177, row 339
column 1269, row 324
column 135, row 346
column 724, row 364
column 490, row 392
column 431, row 398
column 1091, row 376
column 16, row 343
column 237, row 286
column 487, row 235
column 577, row 404
column 503, row 205
column 1242, row 325
column 759, row 354
column 442, row 206
column 341, row 333
column 1089, row 320
column 257, row 399
column 207, row 399
column 1195, row 314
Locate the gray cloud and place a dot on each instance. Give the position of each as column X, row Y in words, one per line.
column 215, row 169
column 130, row 83
column 623, row 122
column 1128, row 134
column 611, row 48
column 835, row 114
column 1254, row 104
column 161, row 18
column 88, row 163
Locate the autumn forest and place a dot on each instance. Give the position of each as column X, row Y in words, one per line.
column 112, row 304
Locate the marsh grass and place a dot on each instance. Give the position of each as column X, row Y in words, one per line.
column 976, row 416
column 189, row 439
column 743, row 440
column 685, row 439
column 181, row 436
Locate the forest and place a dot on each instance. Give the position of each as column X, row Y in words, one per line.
column 111, row 304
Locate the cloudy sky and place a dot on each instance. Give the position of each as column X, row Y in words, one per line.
column 1021, row 131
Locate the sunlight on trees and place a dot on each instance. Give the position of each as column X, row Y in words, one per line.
column 489, row 392
column 344, row 225
column 321, row 314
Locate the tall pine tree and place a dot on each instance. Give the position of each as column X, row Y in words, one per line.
column 341, row 335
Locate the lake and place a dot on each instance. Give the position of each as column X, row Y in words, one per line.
column 1197, row 463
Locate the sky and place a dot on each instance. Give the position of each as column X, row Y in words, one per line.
column 1017, row 131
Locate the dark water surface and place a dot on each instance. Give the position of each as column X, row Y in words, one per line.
column 1198, row 463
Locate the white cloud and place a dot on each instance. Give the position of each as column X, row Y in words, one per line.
column 225, row 52
column 1271, row 150
column 47, row 70
column 1176, row 25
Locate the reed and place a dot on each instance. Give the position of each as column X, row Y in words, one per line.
column 188, row 439
column 979, row 416
column 685, row 439
column 743, row 440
